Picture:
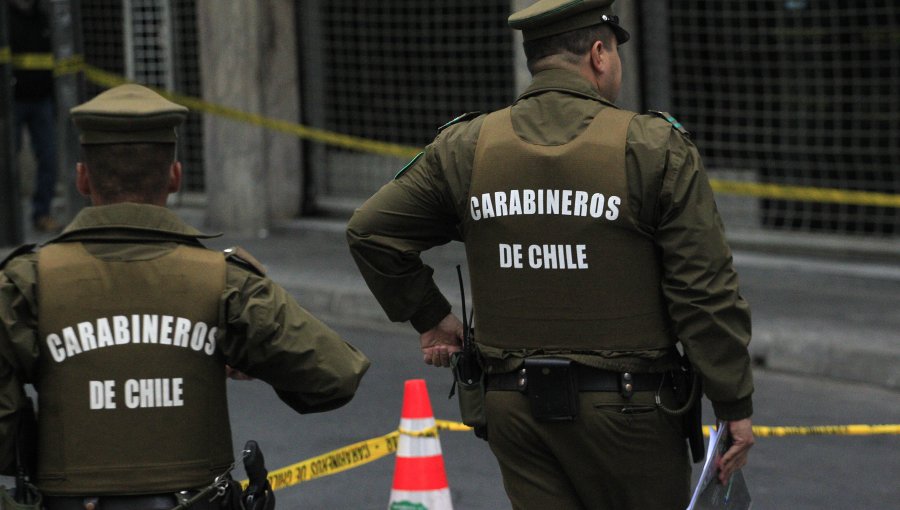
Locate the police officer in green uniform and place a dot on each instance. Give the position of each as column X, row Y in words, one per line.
column 125, row 324
column 595, row 249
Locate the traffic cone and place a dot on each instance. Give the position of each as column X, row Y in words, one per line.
column 420, row 482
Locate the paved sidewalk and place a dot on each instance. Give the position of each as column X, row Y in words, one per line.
column 822, row 317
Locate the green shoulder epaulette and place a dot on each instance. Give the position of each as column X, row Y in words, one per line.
column 21, row 250
column 671, row 120
column 241, row 257
column 410, row 164
column 461, row 118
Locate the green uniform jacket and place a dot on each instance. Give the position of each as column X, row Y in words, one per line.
column 263, row 332
column 668, row 191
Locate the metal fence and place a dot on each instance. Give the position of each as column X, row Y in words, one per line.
column 794, row 92
column 395, row 70
column 153, row 42
column 787, row 92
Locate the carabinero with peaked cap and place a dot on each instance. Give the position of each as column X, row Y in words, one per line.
column 126, row 325
column 597, row 258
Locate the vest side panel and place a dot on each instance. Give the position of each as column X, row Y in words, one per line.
column 556, row 259
column 132, row 387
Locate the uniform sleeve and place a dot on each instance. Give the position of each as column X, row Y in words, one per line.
column 710, row 317
column 10, row 386
column 269, row 336
column 16, row 342
column 416, row 211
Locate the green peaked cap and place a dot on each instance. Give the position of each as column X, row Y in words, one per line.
column 128, row 114
column 550, row 17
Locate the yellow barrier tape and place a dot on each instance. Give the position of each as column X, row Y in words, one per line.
column 103, row 78
column 452, row 426
column 438, row 425
column 806, row 193
column 364, row 452
column 828, row 430
column 34, row 61
column 42, row 62
column 350, row 457
column 333, row 462
column 70, row 65
column 106, row 79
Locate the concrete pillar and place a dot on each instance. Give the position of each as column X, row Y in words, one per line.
column 657, row 55
column 65, row 16
column 248, row 62
column 311, row 40
column 630, row 53
column 281, row 98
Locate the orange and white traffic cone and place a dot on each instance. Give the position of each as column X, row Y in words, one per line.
column 420, row 482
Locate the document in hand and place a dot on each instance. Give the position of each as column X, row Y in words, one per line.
column 709, row 493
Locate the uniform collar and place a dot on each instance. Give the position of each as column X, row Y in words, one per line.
column 562, row 80
column 131, row 217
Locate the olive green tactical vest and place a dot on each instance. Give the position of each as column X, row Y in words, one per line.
column 556, row 261
column 131, row 385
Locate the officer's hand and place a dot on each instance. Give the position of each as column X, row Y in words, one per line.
column 235, row 374
column 736, row 457
column 439, row 342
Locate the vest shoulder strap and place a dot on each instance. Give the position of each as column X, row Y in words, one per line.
column 242, row 258
column 19, row 251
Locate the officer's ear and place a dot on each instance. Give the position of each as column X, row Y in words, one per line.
column 174, row 177
column 598, row 57
column 82, row 179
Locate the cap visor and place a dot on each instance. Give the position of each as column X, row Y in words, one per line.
column 622, row 35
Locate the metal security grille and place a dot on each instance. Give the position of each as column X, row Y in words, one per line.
column 395, row 70
column 148, row 42
column 152, row 42
column 186, row 80
column 103, row 37
column 796, row 92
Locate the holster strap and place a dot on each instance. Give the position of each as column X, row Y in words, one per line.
column 588, row 379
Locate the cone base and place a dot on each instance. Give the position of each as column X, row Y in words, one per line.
column 421, row 500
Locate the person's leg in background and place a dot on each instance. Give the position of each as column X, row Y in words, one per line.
column 41, row 123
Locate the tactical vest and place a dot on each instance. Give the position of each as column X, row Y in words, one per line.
column 555, row 259
column 131, row 385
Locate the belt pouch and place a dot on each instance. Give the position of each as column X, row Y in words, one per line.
column 552, row 389
column 470, row 385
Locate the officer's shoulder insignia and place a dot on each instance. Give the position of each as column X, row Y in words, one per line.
column 671, row 120
column 21, row 250
column 241, row 257
column 409, row 165
column 462, row 118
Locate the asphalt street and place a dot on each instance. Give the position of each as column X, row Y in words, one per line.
column 800, row 473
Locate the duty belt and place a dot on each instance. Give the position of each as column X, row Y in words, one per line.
column 165, row 501
column 587, row 379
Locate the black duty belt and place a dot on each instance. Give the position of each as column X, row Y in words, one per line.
column 144, row 502
column 587, row 379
